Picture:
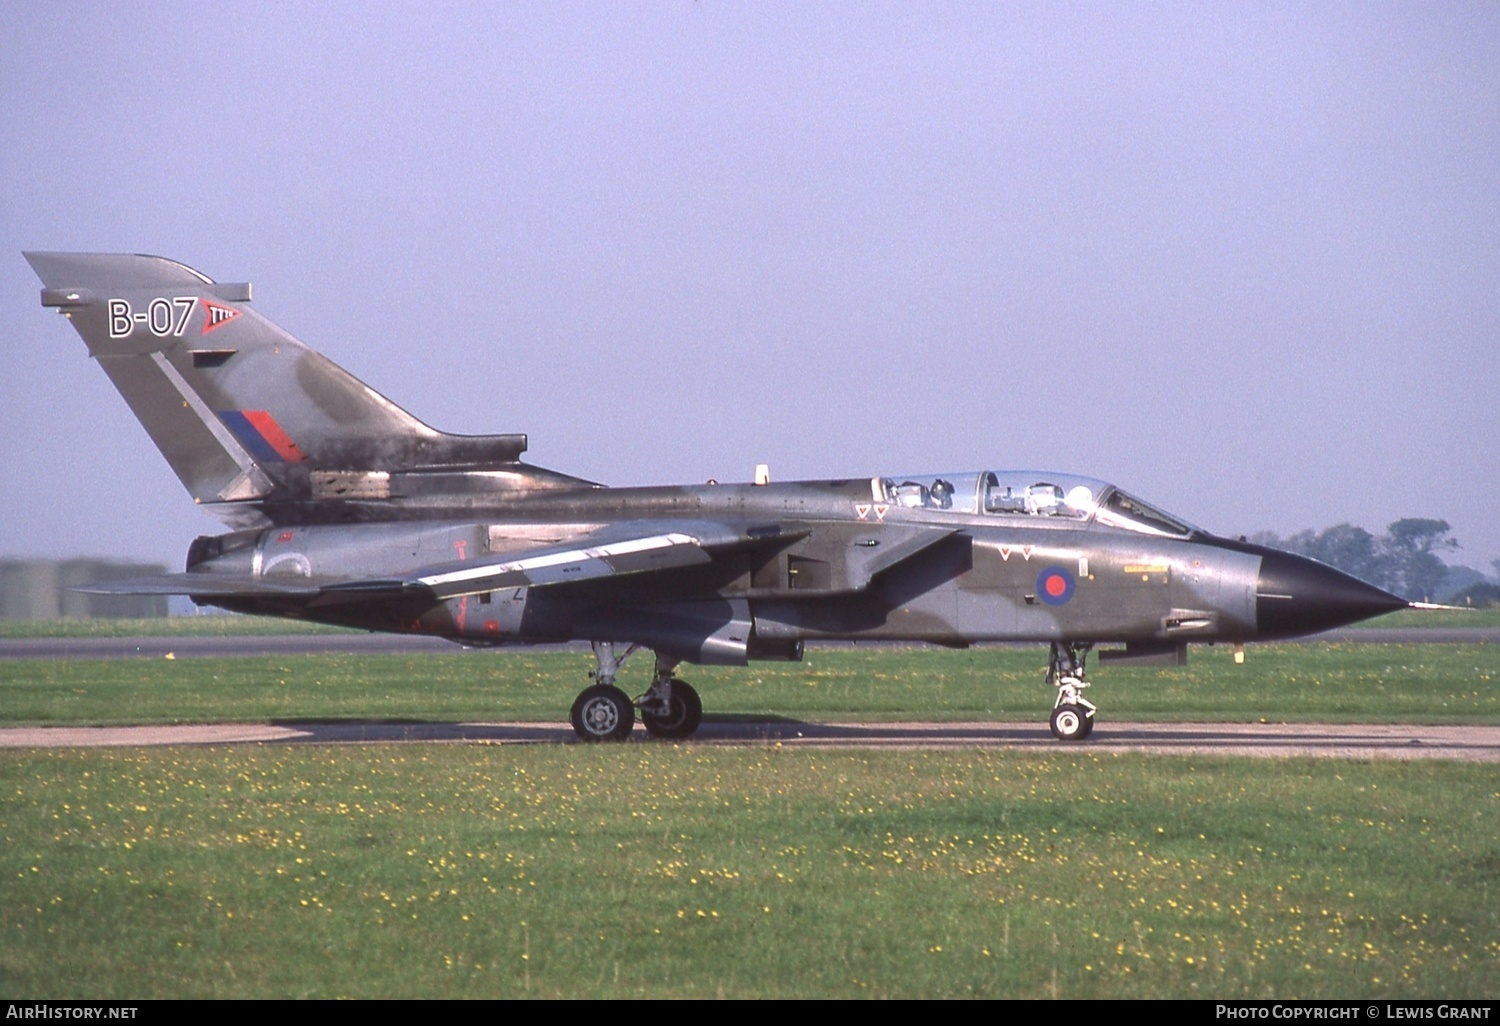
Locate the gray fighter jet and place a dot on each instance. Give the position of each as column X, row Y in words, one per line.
column 345, row 509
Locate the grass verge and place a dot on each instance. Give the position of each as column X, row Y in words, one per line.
column 1364, row 683
column 657, row 871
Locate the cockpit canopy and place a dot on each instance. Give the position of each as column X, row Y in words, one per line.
column 1032, row 494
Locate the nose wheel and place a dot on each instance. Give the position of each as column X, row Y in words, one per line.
column 1072, row 714
column 1072, row 722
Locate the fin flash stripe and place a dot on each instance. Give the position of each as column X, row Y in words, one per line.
column 258, row 431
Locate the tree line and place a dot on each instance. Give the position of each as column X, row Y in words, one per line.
column 1406, row 560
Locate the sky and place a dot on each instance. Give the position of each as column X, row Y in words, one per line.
column 1241, row 259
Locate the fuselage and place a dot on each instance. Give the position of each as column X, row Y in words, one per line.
column 985, row 565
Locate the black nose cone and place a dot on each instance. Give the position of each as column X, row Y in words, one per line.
column 1295, row 596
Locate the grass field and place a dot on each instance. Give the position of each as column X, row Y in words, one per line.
column 214, row 625
column 1282, row 683
column 675, row 871
column 659, row 870
column 1486, row 617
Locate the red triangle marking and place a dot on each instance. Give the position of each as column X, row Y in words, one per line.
column 216, row 315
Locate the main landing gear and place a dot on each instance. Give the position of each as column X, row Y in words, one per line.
column 670, row 708
column 1072, row 714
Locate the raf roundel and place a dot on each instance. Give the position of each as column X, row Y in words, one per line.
column 1054, row 585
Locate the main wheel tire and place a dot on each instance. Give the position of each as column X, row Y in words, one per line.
column 1071, row 723
column 682, row 718
column 603, row 713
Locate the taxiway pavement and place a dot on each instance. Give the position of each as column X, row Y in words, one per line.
column 1344, row 741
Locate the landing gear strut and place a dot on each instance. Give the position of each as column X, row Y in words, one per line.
column 1072, row 714
column 670, row 708
column 604, row 712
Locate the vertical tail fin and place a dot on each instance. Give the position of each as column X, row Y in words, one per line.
column 241, row 410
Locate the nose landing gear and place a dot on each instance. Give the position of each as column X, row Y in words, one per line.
column 1072, row 714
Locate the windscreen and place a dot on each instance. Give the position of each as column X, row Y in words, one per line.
column 1123, row 510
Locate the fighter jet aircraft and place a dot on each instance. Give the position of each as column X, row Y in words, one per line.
column 345, row 509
